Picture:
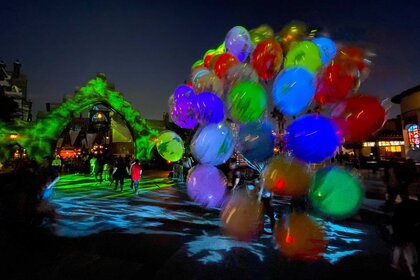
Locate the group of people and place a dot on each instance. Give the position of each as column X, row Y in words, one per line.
column 180, row 169
column 115, row 171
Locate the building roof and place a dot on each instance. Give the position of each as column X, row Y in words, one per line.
column 397, row 98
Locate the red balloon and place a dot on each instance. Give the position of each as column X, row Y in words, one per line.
column 207, row 59
column 223, row 63
column 352, row 57
column 212, row 61
column 334, row 84
column 267, row 58
column 358, row 117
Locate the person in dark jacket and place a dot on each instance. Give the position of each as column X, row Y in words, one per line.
column 120, row 173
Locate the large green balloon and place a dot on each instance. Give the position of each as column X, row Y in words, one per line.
column 247, row 100
column 335, row 192
column 170, row 146
column 305, row 54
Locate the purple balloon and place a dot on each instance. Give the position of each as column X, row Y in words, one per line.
column 209, row 108
column 206, row 185
column 184, row 92
column 182, row 113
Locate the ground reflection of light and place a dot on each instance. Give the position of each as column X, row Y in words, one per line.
column 85, row 207
column 214, row 246
column 334, row 257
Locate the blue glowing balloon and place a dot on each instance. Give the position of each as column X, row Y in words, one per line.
column 293, row 90
column 238, row 42
column 213, row 144
column 206, row 185
column 312, row 138
column 255, row 141
column 183, row 92
column 327, row 48
column 209, row 108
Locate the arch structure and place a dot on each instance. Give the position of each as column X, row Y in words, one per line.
column 39, row 139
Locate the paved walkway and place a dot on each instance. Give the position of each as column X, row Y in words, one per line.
column 162, row 234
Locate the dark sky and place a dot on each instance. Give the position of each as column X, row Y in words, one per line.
column 147, row 47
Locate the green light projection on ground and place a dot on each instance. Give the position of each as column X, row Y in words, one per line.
column 39, row 139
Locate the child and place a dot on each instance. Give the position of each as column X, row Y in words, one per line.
column 136, row 174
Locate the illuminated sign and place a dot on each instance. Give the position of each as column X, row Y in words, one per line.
column 413, row 136
column 390, row 143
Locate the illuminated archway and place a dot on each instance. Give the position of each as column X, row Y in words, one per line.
column 39, row 139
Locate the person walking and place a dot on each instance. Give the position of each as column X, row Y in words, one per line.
column 398, row 177
column 99, row 169
column 186, row 164
column 120, row 173
column 405, row 234
column 136, row 172
column 56, row 164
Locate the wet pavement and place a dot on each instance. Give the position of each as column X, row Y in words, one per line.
column 161, row 234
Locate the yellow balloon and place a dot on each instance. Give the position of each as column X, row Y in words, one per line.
column 292, row 33
column 261, row 33
column 287, row 177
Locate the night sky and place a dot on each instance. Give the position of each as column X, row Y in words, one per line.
column 147, row 49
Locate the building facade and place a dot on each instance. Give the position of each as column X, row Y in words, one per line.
column 14, row 85
column 409, row 101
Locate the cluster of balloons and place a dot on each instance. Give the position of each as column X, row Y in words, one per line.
column 227, row 90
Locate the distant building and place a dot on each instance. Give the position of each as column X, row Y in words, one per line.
column 387, row 143
column 14, row 84
column 409, row 101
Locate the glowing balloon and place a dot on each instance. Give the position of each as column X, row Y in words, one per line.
column 170, row 146
column 208, row 82
column 182, row 113
column 207, row 57
column 238, row 42
column 358, row 117
column 209, row 108
column 238, row 73
column 198, row 63
column 287, row 177
column 261, row 33
column 242, row 217
column 335, row 192
column 293, row 90
column 291, row 33
column 300, row 237
column 267, row 58
column 333, row 84
column 223, row 63
column 312, row 138
column 247, row 101
column 183, row 92
column 255, row 141
column 213, row 144
column 198, row 72
column 327, row 49
column 304, row 54
column 206, row 185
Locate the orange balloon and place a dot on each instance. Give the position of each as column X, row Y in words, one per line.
column 242, row 218
column 286, row 177
column 300, row 237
